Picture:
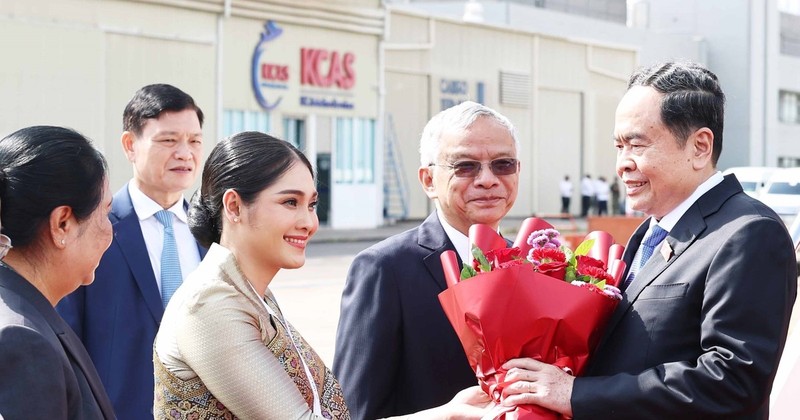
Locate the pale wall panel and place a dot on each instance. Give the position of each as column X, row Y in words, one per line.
column 601, row 155
column 562, row 64
column 557, row 151
column 133, row 62
column 406, row 101
column 613, row 61
column 57, row 78
column 408, row 29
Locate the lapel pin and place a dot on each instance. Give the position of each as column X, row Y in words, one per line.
column 666, row 251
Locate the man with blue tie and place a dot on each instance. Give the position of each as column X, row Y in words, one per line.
column 712, row 280
column 118, row 315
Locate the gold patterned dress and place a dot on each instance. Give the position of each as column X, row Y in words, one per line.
column 223, row 352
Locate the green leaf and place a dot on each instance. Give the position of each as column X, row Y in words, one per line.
column 584, row 247
column 570, row 256
column 601, row 284
column 570, row 274
column 477, row 253
column 468, row 272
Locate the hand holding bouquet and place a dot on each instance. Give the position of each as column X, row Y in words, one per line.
column 523, row 302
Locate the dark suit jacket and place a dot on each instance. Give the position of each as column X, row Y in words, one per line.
column 699, row 335
column 396, row 352
column 45, row 372
column 118, row 315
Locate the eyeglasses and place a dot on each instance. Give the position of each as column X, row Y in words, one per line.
column 5, row 245
column 471, row 168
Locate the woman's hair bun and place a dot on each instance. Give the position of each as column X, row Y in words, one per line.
column 203, row 221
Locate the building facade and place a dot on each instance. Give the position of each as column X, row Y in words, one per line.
column 560, row 94
column 753, row 46
column 351, row 82
column 305, row 71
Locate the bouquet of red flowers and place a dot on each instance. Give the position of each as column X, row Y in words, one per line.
column 523, row 301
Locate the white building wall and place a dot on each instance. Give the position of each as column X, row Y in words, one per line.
column 737, row 39
column 77, row 63
column 787, row 135
column 564, row 123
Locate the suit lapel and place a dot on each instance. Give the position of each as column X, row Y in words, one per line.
column 683, row 235
column 433, row 237
column 69, row 341
column 76, row 352
column 690, row 226
column 128, row 235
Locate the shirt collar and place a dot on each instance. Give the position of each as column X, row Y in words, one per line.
column 145, row 207
column 459, row 240
column 669, row 221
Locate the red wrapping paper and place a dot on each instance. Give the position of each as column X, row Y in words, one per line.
column 516, row 312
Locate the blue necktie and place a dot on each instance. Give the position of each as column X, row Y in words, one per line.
column 170, row 263
column 649, row 243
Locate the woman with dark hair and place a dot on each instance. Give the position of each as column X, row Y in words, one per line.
column 224, row 349
column 55, row 204
column 5, row 241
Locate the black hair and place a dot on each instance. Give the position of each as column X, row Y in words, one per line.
column 44, row 167
column 151, row 100
column 247, row 162
column 692, row 99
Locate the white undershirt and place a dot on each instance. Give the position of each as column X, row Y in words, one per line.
column 153, row 233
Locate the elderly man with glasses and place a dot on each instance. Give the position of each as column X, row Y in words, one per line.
column 396, row 353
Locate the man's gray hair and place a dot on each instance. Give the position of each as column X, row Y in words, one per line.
column 457, row 118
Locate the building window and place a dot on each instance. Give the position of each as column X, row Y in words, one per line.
column 354, row 153
column 788, row 162
column 294, row 131
column 235, row 121
column 789, row 107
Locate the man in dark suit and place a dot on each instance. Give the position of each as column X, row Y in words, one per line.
column 703, row 322
column 118, row 315
column 396, row 353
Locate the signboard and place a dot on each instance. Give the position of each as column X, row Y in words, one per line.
column 454, row 91
column 326, row 76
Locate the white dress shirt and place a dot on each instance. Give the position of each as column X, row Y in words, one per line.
column 602, row 190
column 565, row 187
column 153, row 232
column 459, row 240
column 587, row 187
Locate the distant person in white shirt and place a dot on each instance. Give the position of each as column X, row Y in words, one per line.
column 565, row 186
column 602, row 194
column 587, row 194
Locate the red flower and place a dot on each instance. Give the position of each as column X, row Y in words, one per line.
column 597, row 274
column 501, row 258
column 584, row 261
column 511, row 263
column 502, row 255
column 548, row 255
column 555, row 269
